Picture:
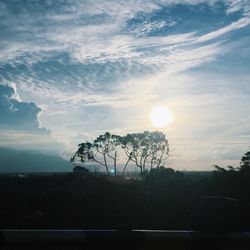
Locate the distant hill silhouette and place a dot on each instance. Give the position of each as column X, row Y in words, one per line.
column 12, row 160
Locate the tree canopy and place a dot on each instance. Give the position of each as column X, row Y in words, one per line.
column 245, row 162
column 146, row 150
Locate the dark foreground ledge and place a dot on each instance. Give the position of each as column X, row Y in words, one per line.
column 116, row 239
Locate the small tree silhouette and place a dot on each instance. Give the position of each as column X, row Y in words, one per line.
column 245, row 162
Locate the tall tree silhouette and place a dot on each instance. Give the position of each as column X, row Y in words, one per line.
column 103, row 148
column 147, row 150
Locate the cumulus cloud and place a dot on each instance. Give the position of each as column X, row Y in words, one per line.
column 20, row 126
column 15, row 114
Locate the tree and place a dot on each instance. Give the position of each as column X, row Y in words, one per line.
column 245, row 162
column 161, row 172
column 100, row 151
column 80, row 170
column 244, row 165
column 219, row 169
column 106, row 145
column 147, row 150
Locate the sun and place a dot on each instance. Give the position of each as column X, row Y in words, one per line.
column 161, row 117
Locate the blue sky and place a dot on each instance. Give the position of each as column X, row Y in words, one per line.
column 70, row 70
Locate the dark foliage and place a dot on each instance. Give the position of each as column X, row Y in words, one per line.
column 166, row 199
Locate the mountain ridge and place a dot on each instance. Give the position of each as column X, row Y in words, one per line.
column 15, row 160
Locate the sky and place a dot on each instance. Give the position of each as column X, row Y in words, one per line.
column 71, row 70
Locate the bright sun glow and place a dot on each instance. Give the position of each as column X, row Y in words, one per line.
column 161, row 117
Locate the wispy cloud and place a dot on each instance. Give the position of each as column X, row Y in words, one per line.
column 237, row 5
column 242, row 22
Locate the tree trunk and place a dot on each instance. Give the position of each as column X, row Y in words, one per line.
column 106, row 164
column 115, row 162
column 126, row 165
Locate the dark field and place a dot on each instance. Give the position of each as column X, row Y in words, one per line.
column 168, row 200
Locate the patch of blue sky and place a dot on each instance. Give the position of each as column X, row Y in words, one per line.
column 180, row 18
